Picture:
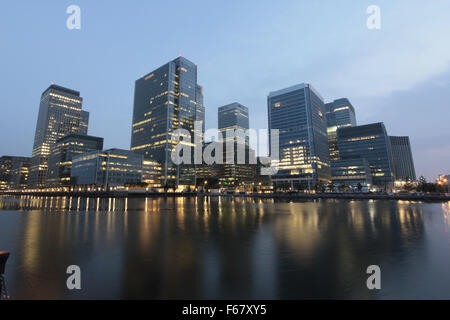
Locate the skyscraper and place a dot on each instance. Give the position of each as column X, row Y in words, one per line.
column 340, row 113
column 166, row 99
column 232, row 117
column 237, row 168
column 60, row 114
column 200, row 111
column 402, row 158
column 372, row 143
column 298, row 112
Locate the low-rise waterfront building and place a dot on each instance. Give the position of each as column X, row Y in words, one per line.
column 115, row 167
column 14, row 172
column 62, row 153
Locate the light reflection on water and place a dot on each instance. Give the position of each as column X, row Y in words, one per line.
column 224, row 248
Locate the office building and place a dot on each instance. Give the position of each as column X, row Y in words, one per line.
column 372, row 143
column 60, row 114
column 62, row 153
column 237, row 169
column 402, row 159
column 233, row 116
column 200, row 110
column 298, row 112
column 339, row 113
column 14, row 172
column 114, row 167
column 351, row 172
column 166, row 99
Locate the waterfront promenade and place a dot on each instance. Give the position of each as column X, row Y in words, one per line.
column 276, row 195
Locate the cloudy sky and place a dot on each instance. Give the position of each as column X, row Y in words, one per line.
column 399, row 74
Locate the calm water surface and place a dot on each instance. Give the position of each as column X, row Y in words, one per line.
column 225, row 248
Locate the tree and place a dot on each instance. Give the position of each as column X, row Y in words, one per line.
column 422, row 186
column 359, row 187
column 408, row 186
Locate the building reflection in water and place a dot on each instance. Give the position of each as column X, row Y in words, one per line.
column 206, row 247
column 446, row 213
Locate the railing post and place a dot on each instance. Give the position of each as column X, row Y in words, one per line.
column 4, row 255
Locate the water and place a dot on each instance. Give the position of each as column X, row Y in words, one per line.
column 225, row 248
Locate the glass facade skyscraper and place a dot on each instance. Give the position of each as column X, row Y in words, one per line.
column 200, row 111
column 60, row 114
column 233, row 117
column 166, row 99
column 372, row 143
column 402, row 158
column 298, row 112
column 340, row 113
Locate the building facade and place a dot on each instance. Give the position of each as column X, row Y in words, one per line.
column 372, row 143
column 339, row 113
column 233, row 116
column 237, row 169
column 167, row 99
column 14, row 172
column 60, row 114
column 62, row 153
column 402, row 158
column 298, row 112
column 114, row 167
column 351, row 172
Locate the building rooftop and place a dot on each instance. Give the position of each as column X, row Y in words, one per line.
column 295, row 88
column 80, row 136
column 232, row 106
column 62, row 89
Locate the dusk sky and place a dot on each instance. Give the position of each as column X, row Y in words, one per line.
column 399, row 74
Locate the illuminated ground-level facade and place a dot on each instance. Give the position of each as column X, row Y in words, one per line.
column 351, row 173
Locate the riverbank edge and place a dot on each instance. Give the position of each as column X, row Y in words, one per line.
column 289, row 196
